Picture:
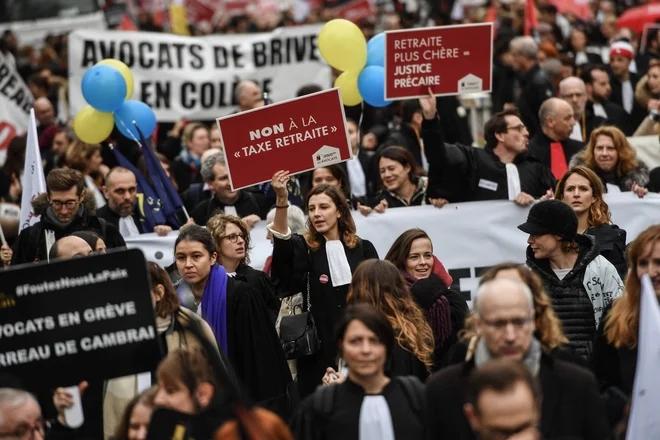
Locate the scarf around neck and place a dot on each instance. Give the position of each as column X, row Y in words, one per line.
column 214, row 304
column 531, row 361
column 52, row 218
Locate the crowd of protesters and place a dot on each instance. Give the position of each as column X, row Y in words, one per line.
column 382, row 347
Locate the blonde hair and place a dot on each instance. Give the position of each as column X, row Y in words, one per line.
column 79, row 153
column 622, row 323
column 217, row 225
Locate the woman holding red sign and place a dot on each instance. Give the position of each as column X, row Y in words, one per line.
column 319, row 263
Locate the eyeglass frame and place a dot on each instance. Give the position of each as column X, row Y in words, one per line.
column 41, row 424
column 235, row 237
column 519, row 128
column 58, row 204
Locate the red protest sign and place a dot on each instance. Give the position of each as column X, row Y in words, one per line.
column 448, row 59
column 296, row 135
column 355, row 10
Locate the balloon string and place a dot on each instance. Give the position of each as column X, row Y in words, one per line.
column 359, row 127
column 132, row 135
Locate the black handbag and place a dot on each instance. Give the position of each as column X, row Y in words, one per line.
column 298, row 334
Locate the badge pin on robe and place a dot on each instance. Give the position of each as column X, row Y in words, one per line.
column 323, row 279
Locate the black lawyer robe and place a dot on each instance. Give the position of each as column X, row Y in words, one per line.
column 293, row 260
column 261, row 282
column 539, row 147
column 107, row 214
column 253, row 348
column 248, row 203
column 344, row 420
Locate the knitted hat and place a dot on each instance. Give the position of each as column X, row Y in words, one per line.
column 623, row 49
column 551, row 217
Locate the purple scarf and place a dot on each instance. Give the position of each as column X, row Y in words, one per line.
column 214, row 304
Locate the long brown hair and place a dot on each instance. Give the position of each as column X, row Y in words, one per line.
column 599, row 212
column 269, row 425
column 169, row 303
column 398, row 253
column 147, row 399
column 547, row 324
column 345, row 223
column 627, row 157
column 622, row 323
column 217, row 225
column 380, row 283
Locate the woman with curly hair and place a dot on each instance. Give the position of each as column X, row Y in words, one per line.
column 232, row 240
column 611, row 157
column 582, row 190
column 615, row 351
column 380, row 283
column 319, row 263
column 87, row 159
column 547, row 324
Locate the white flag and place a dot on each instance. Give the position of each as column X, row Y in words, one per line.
column 34, row 182
column 644, row 423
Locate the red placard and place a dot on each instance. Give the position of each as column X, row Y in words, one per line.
column 355, row 10
column 449, row 59
column 296, row 135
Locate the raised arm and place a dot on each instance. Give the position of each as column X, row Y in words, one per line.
column 281, row 222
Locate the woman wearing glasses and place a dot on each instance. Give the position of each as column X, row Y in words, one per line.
column 232, row 240
column 238, row 317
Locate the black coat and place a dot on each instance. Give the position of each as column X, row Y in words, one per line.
column 477, row 173
column 638, row 112
column 571, row 405
column 263, row 285
column 293, row 264
column 184, row 174
column 112, row 217
column 535, row 87
column 569, row 298
column 194, row 195
column 30, row 245
column 616, row 116
column 539, row 147
column 248, row 203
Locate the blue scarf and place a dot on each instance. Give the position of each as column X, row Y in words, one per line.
column 190, row 159
column 214, row 303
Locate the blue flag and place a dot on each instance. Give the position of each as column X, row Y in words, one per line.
column 149, row 204
column 170, row 201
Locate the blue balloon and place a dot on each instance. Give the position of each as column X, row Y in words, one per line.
column 376, row 51
column 104, row 88
column 371, row 84
column 136, row 111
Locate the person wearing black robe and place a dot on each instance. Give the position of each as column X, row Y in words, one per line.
column 301, row 264
column 239, row 319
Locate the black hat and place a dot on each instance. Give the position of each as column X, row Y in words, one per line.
column 551, row 217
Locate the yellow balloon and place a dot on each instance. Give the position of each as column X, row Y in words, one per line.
column 348, row 87
column 125, row 72
column 92, row 126
column 342, row 45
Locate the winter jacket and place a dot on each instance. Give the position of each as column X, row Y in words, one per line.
column 581, row 297
column 31, row 246
column 639, row 175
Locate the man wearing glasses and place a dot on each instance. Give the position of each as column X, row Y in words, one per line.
column 21, row 418
column 502, row 170
column 64, row 209
column 504, row 318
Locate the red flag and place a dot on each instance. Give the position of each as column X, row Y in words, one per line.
column 127, row 24
column 530, row 18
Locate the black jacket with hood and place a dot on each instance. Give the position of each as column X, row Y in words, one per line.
column 570, row 299
column 30, row 246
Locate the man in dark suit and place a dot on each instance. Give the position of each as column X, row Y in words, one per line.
column 599, row 90
column 553, row 145
column 535, row 85
column 624, row 82
column 573, row 91
column 504, row 318
column 120, row 189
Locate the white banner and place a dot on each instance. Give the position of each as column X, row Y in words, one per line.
column 15, row 105
column 194, row 77
column 468, row 238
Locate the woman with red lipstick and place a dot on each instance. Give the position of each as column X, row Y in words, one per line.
column 319, row 263
column 615, row 350
column 232, row 240
column 429, row 283
column 581, row 189
column 238, row 317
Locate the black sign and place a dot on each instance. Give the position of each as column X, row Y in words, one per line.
column 82, row 319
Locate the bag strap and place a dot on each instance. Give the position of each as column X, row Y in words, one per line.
column 413, row 390
column 309, row 274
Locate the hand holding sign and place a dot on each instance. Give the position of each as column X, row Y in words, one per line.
column 429, row 105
